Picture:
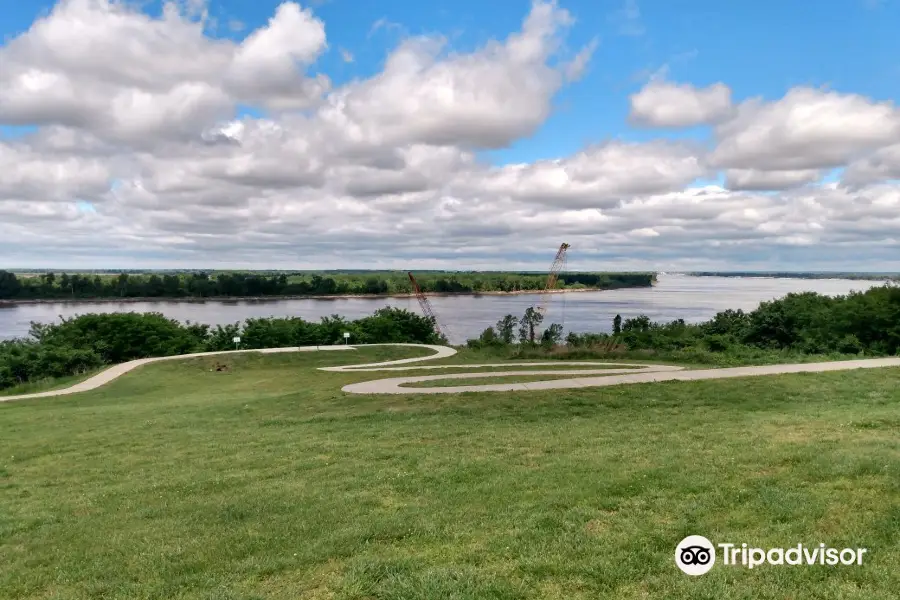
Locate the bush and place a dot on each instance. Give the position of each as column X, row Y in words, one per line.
column 392, row 325
column 487, row 339
column 581, row 340
column 552, row 335
column 807, row 323
column 23, row 361
column 222, row 337
column 718, row 343
column 120, row 337
column 277, row 333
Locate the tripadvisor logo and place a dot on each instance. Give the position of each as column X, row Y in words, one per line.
column 696, row 555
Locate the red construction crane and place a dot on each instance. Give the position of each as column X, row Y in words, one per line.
column 425, row 304
column 558, row 265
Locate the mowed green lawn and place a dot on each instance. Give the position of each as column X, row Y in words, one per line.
column 266, row 481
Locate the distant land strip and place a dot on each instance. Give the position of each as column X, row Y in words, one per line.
column 801, row 275
column 199, row 286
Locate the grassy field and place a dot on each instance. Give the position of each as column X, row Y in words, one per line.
column 266, row 481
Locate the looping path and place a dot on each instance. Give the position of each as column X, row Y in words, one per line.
column 637, row 373
column 394, row 385
column 627, row 373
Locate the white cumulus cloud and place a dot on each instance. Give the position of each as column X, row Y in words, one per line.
column 806, row 129
column 665, row 104
column 146, row 155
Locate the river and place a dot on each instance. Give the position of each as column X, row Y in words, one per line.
column 693, row 299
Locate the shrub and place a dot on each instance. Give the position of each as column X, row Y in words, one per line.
column 22, row 361
column 487, row 339
column 393, row 325
column 552, row 335
column 222, row 337
column 120, row 337
column 718, row 343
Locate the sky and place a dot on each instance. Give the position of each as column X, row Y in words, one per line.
column 648, row 134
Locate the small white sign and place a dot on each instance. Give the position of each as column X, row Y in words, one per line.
column 236, row 340
column 346, row 335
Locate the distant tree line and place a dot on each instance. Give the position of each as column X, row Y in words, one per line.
column 859, row 323
column 90, row 341
column 238, row 284
column 814, row 275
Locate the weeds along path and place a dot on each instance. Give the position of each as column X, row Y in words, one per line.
column 606, row 374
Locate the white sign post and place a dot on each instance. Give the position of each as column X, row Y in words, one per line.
column 346, row 338
column 237, row 342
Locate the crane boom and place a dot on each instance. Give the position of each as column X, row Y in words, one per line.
column 425, row 304
column 558, row 263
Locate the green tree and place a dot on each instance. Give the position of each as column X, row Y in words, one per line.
column 172, row 286
column 529, row 324
column 154, row 287
column 122, row 284
column 48, row 279
column 506, row 329
column 730, row 323
column 374, row 285
column 552, row 336
column 200, row 285
column 390, row 324
column 617, row 325
column 65, row 284
column 639, row 323
column 10, row 286
column 487, row 339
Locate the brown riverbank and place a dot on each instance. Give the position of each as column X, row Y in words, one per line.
column 280, row 298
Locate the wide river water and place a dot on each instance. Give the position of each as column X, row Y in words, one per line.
column 693, row 299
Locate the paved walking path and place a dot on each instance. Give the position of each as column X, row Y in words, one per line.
column 607, row 377
column 625, row 373
column 107, row 375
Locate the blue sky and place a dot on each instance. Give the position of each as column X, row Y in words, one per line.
column 805, row 174
column 760, row 48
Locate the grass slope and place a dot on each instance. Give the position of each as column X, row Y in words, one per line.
column 265, row 481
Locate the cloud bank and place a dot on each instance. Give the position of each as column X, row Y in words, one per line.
column 142, row 160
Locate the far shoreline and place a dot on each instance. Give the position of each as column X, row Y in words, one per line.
column 229, row 299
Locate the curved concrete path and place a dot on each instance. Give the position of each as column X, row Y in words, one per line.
column 631, row 373
column 647, row 374
column 107, row 375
